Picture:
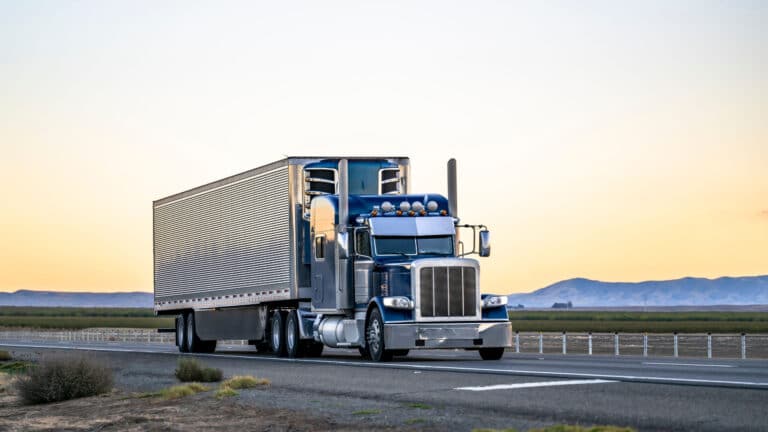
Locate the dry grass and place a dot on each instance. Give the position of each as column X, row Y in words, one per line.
column 183, row 390
column 225, row 392
column 244, row 382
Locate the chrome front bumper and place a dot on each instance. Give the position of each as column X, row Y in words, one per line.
column 448, row 335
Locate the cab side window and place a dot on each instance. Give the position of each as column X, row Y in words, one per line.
column 363, row 243
column 320, row 247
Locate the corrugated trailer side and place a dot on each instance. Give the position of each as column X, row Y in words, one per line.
column 227, row 243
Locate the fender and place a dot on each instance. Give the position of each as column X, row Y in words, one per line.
column 389, row 314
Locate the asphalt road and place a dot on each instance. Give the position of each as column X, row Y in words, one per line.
column 464, row 392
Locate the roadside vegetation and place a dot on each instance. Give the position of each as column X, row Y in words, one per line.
column 638, row 322
column 566, row 428
column 191, row 370
column 62, row 378
column 75, row 318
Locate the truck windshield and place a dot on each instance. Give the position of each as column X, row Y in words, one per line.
column 438, row 245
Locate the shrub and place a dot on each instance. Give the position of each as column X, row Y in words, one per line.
column 63, row 378
column 244, row 382
column 183, row 390
column 5, row 356
column 190, row 370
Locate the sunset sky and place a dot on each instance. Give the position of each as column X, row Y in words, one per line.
column 606, row 140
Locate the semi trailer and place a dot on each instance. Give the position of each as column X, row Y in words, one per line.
column 308, row 252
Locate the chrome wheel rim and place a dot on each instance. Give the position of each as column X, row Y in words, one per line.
column 180, row 331
column 291, row 339
column 275, row 333
column 374, row 333
column 190, row 330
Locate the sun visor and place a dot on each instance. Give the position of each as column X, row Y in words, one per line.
column 411, row 226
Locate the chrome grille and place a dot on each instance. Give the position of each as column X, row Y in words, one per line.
column 448, row 291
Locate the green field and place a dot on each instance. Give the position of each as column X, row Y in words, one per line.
column 80, row 318
column 524, row 321
column 638, row 322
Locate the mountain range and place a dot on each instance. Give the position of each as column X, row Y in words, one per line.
column 77, row 299
column 689, row 291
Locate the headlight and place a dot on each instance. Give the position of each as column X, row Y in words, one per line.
column 398, row 302
column 495, row 301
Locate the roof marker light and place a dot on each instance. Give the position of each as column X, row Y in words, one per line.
column 432, row 206
column 405, row 206
column 417, row 206
column 387, row 207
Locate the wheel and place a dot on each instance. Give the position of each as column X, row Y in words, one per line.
column 277, row 334
column 181, row 337
column 491, row 353
column 374, row 338
column 293, row 345
column 314, row 349
column 400, row 352
column 189, row 334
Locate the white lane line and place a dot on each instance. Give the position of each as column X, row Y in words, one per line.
column 409, row 366
column 533, row 385
column 689, row 364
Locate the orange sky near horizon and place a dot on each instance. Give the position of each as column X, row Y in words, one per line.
column 613, row 142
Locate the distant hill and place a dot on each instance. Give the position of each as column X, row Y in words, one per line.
column 81, row 299
column 749, row 290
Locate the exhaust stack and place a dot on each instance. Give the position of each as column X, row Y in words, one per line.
column 453, row 205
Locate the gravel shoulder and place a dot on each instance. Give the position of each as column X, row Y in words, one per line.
column 281, row 406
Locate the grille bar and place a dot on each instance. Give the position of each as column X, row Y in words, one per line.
column 448, row 291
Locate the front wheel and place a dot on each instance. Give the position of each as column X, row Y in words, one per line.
column 491, row 353
column 374, row 338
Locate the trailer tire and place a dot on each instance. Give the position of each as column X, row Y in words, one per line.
column 181, row 333
column 491, row 353
column 190, row 335
column 277, row 334
column 374, row 337
column 293, row 346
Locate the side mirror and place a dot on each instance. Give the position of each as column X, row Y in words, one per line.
column 485, row 243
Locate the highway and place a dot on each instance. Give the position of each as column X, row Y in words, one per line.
column 462, row 391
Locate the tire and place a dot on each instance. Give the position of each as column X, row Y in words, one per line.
column 277, row 334
column 181, row 333
column 293, row 345
column 194, row 343
column 491, row 353
column 374, row 338
column 400, row 352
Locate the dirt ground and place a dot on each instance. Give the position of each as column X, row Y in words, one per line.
column 121, row 411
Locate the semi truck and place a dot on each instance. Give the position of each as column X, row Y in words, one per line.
column 309, row 252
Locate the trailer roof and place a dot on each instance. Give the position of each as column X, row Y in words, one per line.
column 289, row 160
